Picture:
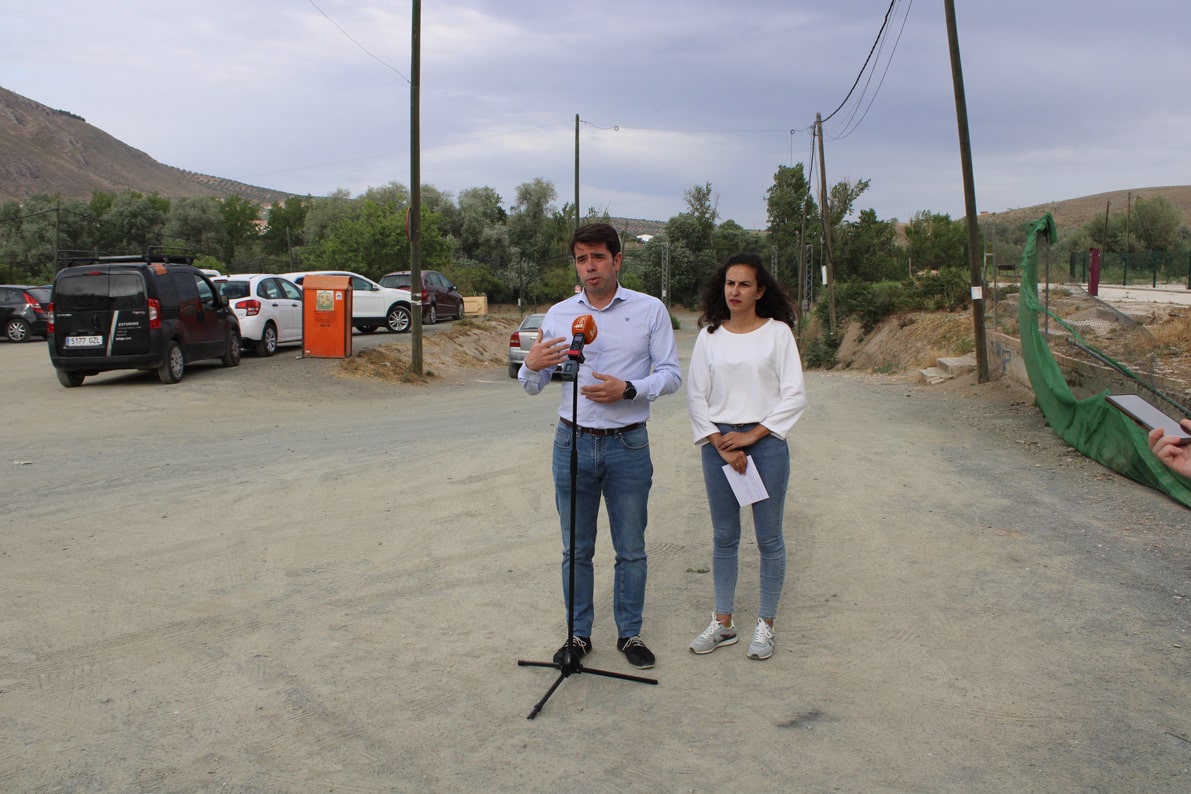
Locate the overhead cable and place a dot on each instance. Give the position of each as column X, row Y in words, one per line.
column 880, row 33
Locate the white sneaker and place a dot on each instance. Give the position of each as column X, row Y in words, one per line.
column 762, row 645
column 713, row 637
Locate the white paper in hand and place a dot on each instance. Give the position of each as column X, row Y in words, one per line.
column 748, row 486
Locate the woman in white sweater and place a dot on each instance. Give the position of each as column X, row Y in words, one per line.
column 745, row 391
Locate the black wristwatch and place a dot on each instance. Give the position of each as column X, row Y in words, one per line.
column 630, row 391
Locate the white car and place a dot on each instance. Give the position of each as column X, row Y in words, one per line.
column 372, row 304
column 269, row 309
column 216, row 277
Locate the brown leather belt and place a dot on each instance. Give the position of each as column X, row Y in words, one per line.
column 602, row 431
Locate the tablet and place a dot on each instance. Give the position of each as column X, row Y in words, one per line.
column 1148, row 416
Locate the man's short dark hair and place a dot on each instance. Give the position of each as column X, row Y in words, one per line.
column 594, row 234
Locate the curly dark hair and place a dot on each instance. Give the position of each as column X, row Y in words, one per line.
column 772, row 303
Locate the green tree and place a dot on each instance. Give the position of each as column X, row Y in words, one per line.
column 842, row 197
column 325, row 212
column 370, row 241
column 197, row 222
column 101, row 202
column 478, row 278
column 793, row 218
column 529, row 222
column 76, row 227
column 483, row 228
column 732, row 238
column 285, row 224
column 1156, row 225
column 935, row 242
column 701, row 207
column 442, row 204
column 692, row 259
column 37, row 234
column 867, row 250
column 241, row 227
column 392, row 194
column 132, row 223
column 532, row 235
column 438, row 249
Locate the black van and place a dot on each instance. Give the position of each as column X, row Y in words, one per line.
column 137, row 312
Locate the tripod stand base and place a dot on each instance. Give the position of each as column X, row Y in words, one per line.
column 571, row 666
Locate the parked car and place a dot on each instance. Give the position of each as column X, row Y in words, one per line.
column 372, row 304
column 23, row 311
column 268, row 307
column 521, row 340
column 440, row 298
column 154, row 312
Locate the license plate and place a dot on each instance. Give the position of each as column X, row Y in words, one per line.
column 84, row 341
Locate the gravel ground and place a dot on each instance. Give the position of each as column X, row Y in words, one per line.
column 276, row 578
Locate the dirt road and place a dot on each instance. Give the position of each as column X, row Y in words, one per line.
column 274, row 579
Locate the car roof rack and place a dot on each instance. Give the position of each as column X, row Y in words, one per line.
column 153, row 254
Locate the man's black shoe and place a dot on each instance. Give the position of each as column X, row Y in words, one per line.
column 581, row 647
column 635, row 651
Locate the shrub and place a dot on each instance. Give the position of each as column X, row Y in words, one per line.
column 870, row 303
column 945, row 290
column 821, row 352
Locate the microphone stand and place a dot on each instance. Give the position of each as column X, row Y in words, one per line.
column 570, row 664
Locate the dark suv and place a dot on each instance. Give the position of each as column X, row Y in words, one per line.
column 440, row 298
column 23, row 311
column 138, row 312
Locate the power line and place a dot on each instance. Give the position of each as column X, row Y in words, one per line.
column 856, row 82
column 849, row 127
column 358, row 44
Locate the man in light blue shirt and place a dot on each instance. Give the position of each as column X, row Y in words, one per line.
column 632, row 361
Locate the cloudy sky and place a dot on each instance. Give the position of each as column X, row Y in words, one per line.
column 1065, row 99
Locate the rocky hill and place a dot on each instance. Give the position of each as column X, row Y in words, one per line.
column 43, row 150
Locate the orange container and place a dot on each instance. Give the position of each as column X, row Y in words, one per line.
column 327, row 317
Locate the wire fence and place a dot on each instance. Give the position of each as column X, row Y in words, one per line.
column 1137, row 267
column 1082, row 327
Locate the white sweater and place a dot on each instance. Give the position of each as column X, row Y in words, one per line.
column 745, row 378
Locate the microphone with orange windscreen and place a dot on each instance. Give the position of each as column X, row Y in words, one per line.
column 584, row 330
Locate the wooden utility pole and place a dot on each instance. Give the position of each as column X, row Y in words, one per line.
column 1104, row 242
column 414, row 218
column 577, row 213
column 824, row 212
column 965, row 152
column 804, row 297
column 1128, row 212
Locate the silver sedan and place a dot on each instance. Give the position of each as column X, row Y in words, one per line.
column 521, row 340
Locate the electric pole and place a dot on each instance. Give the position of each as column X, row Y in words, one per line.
column 666, row 272
column 413, row 221
column 577, row 214
column 823, row 213
column 965, row 153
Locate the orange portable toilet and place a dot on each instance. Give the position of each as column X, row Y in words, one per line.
column 327, row 317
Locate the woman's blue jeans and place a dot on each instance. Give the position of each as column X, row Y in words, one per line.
column 771, row 456
column 617, row 467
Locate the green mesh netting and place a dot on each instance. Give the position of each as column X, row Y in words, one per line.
column 1092, row 426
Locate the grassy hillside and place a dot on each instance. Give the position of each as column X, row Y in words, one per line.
column 1078, row 211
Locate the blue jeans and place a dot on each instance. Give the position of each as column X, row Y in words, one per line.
column 619, row 468
column 771, row 456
